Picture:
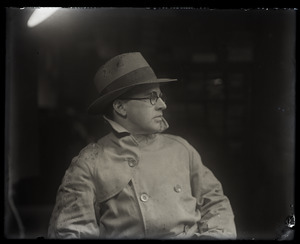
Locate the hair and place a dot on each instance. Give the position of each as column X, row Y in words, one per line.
column 109, row 111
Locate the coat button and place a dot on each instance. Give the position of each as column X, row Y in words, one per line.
column 144, row 197
column 177, row 188
column 131, row 162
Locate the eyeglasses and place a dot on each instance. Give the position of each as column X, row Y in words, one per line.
column 153, row 98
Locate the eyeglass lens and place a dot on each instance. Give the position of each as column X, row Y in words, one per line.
column 154, row 97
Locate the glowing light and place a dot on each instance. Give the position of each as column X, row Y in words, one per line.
column 39, row 15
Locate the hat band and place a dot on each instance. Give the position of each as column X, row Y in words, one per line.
column 135, row 77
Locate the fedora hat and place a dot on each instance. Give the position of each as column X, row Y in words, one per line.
column 120, row 74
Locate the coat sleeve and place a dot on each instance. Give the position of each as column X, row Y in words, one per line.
column 74, row 213
column 217, row 219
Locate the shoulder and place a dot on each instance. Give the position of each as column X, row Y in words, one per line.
column 182, row 145
column 92, row 150
column 177, row 140
column 168, row 138
column 94, row 147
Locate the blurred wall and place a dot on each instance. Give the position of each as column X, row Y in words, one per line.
column 234, row 101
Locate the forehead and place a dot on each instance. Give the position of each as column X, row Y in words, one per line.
column 144, row 89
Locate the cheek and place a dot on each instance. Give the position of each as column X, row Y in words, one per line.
column 144, row 118
column 141, row 116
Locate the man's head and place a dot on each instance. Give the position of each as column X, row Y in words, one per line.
column 119, row 75
column 140, row 110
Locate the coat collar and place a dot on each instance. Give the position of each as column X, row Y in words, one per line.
column 116, row 127
column 141, row 140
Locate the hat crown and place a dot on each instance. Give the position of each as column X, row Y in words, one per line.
column 117, row 67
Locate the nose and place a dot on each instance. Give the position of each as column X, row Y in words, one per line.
column 160, row 104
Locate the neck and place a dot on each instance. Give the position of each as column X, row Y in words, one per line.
column 141, row 137
column 140, row 133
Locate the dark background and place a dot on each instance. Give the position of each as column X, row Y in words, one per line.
column 234, row 102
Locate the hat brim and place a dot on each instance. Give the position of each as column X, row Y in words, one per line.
column 101, row 103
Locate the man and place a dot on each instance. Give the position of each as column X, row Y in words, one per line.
column 137, row 182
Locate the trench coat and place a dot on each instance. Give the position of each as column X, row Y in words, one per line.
column 152, row 187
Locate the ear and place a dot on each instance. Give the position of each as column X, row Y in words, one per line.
column 119, row 108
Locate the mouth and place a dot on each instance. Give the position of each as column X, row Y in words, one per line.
column 159, row 116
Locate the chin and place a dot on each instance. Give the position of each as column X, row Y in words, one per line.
column 157, row 130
